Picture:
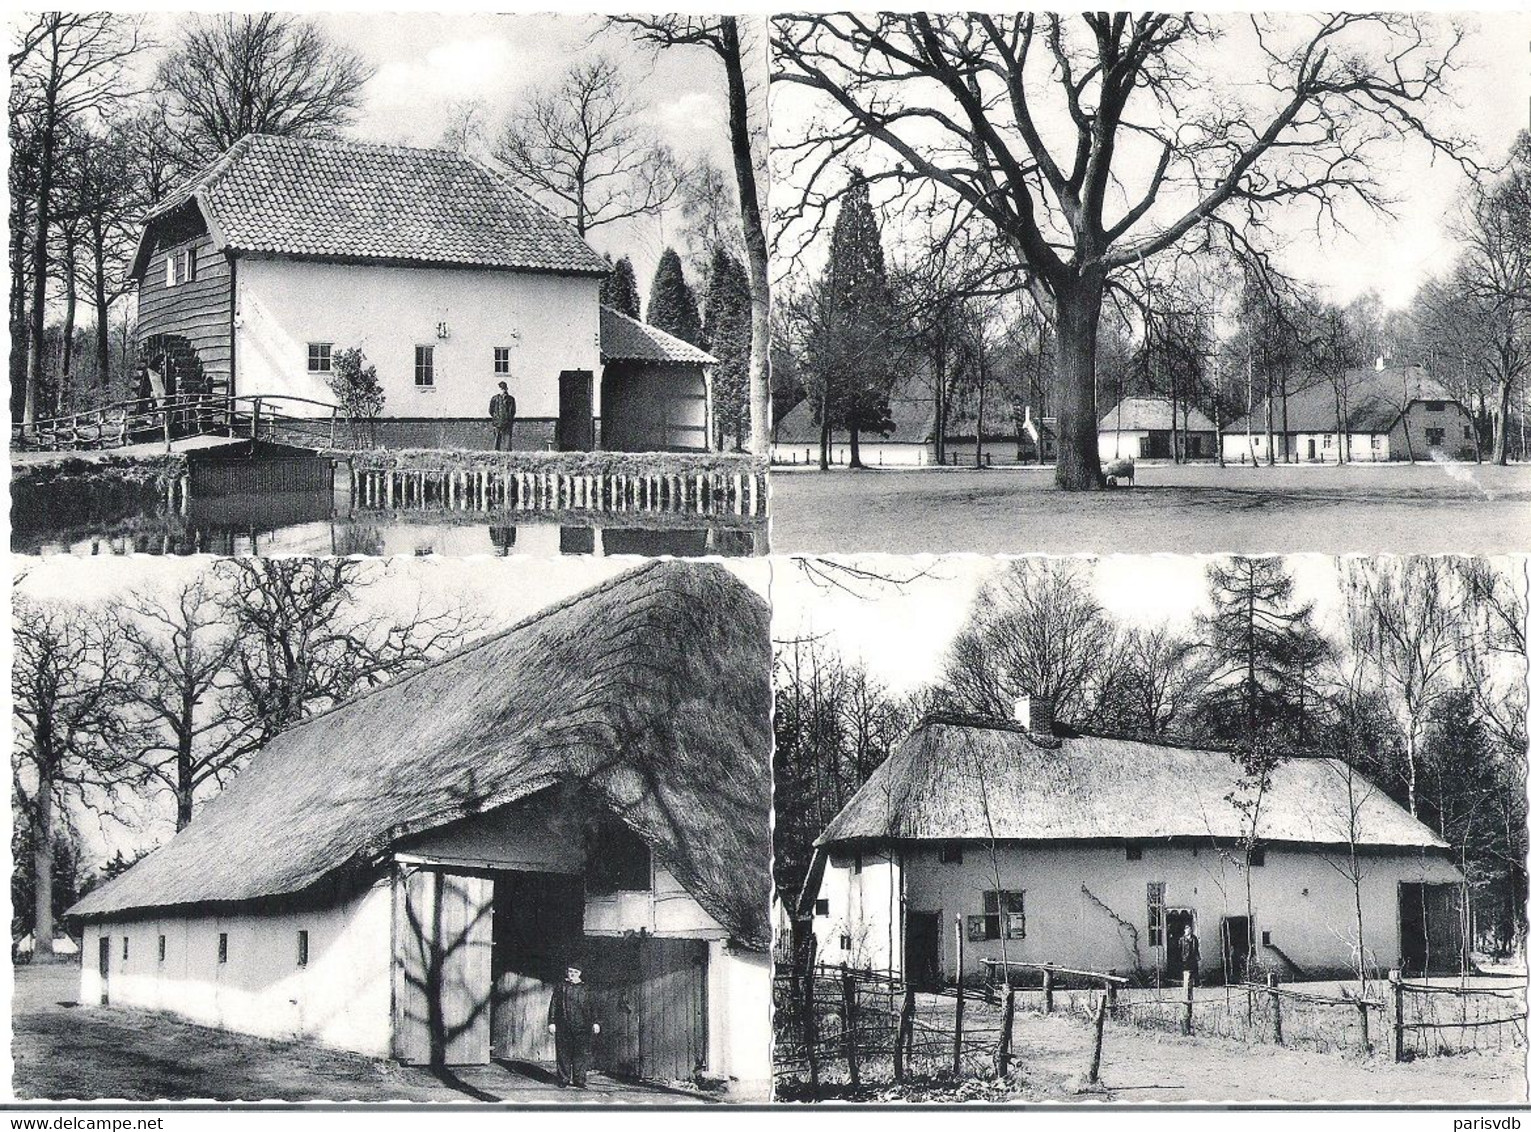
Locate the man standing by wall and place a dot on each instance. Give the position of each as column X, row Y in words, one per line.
column 571, row 1021
column 1190, row 955
column 502, row 414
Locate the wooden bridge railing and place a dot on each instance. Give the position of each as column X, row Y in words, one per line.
column 149, row 419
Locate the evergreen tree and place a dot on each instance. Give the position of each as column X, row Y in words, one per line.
column 726, row 336
column 855, row 345
column 672, row 306
column 1262, row 651
column 619, row 290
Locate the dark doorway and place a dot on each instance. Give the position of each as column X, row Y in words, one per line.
column 1157, row 445
column 1176, row 920
column 538, row 924
column 1430, row 932
column 104, row 965
column 576, row 411
column 1312, row 448
column 922, row 948
column 1236, row 937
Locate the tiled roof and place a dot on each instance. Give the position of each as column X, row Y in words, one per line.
column 1152, row 414
column 345, row 200
column 1374, row 399
column 625, row 339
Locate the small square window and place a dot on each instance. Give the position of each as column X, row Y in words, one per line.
column 190, row 268
column 951, row 853
column 223, row 947
column 425, row 367
column 1435, row 406
column 845, row 941
column 1265, row 939
column 319, row 356
column 502, row 361
column 1256, row 857
column 303, row 949
column 1134, row 852
column 821, row 907
column 161, row 949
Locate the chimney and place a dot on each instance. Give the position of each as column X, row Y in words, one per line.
column 1035, row 714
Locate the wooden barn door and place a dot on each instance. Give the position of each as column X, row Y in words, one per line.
column 576, row 411
column 442, row 975
column 538, row 920
column 652, row 998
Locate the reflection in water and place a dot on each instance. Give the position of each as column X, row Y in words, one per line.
column 320, row 523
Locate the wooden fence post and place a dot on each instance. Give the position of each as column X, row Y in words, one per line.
column 848, row 1023
column 1395, row 992
column 1185, row 981
column 1047, row 988
column 1366, row 1040
column 1006, row 1030
column 1270, row 989
column 1111, row 994
column 810, row 1025
column 1100, row 1037
column 902, row 1040
column 957, row 1029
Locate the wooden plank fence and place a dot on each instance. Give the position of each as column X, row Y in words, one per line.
column 714, row 494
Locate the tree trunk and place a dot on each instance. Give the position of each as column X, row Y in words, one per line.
column 940, row 392
column 983, row 381
column 43, row 207
column 103, row 307
column 1502, row 423
column 20, row 337
column 1286, row 432
column 1077, row 316
column 71, row 309
column 754, row 240
column 824, row 433
column 185, row 781
column 42, row 872
column 855, row 447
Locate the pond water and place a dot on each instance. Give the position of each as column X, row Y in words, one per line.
column 319, row 523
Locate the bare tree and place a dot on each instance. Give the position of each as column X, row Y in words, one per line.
column 968, row 106
column 67, row 731
column 305, row 643
column 722, row 36
column 467, row 125
column 1401, row 614
column 67, row 72
column 178, row 665
column 237, row 73
column 1034, row 629
column 581, row 147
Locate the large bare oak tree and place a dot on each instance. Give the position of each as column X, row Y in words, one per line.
column 1092, row 142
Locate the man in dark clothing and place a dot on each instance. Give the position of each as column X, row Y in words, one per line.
column 1190, row 955
column 502, row 414
column 571, row 1021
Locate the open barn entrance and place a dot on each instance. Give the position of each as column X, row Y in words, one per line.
column 537, row 928
column 1431, row 927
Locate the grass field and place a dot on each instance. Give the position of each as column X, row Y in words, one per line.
column 1191, row 509
column 63, row 1051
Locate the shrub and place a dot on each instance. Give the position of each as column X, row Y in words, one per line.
column 356, row 386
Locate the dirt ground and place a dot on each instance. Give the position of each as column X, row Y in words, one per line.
column 1398, row 508
column 63, row 1051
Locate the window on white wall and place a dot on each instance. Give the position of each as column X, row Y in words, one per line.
column 303, row 948
column 161, row 949
column 502, row 361
column 821, row 907
column 319, row 356
column 124, row 949
column 1002, row 912
column 1156, row 913
column 223, row 947
column 425, row 367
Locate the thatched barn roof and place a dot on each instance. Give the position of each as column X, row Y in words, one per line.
column 651, row 691
column 961, row 780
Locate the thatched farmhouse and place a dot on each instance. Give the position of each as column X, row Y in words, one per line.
column 255, row 273
column 1385, row 413
column 408, row 873
column 1145, row 428
column 1095, row 853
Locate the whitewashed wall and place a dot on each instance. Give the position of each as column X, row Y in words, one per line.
column 1299, row 897
column 341, row 999
column 550, row 322
column 739, row 1019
